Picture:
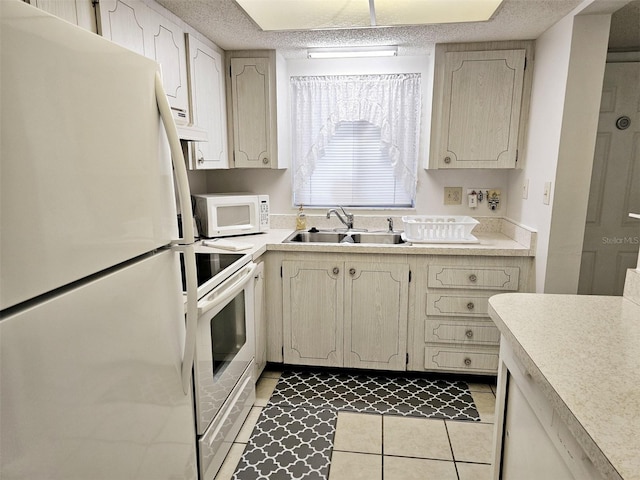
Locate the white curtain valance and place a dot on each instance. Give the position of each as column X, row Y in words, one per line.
column 391, row 102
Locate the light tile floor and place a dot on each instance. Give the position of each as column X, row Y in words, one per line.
column 387, row 447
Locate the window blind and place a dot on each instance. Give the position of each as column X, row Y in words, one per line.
column 354, row 171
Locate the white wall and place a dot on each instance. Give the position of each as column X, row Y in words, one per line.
column 430, row 190
column 566, row 91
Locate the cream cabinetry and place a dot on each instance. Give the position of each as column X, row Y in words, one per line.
column 78, row 12
column 344, row 312
column 313, row 316
column 480, row 105
column 260, row 320
column 532, row 440
column 253, row 109
column 134, row 25
column 208, row 105
column 452, row 328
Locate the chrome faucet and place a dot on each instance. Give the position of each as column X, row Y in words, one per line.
column 347, row 220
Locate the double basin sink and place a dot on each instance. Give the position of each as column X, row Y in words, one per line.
column 347, row 237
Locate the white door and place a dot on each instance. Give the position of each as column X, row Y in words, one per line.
column 91, row 384
column 611, row 238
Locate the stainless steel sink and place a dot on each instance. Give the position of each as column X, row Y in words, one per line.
column 378, row 238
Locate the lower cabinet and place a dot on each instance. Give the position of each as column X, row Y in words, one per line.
column 260, row 320
column 531, row 441
column 389, row 311
column 452, row 331
column 343, row 313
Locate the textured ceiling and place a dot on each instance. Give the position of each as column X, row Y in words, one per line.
column 228, row 26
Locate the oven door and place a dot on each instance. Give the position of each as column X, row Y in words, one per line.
column 224, row 343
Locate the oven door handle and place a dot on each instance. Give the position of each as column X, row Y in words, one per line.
column 225, row 292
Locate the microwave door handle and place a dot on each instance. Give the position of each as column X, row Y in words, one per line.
column 191, row 321
column 228, row 291
column 179, row 166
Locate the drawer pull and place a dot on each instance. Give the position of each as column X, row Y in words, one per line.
column 336, row 270
column 473, row 278
column 467, row 362
column 470, row 306
column 469, row 333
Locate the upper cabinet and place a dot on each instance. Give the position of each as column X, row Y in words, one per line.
column 134, row 25
column 253, row 110
column 208, row 105
column 480, row 105
column 78, row 12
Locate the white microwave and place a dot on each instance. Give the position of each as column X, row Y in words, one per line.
column 227, row 214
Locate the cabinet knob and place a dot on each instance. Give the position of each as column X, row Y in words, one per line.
column 470, row 306
column 201, row 159
column 467, row 361
column 336, row 270
column 352, row 271
column 447, row 159
column 265, row 160
column 473, row 278
column 469, row 333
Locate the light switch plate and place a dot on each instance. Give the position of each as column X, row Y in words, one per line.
column 525, row 189
column 453, row 195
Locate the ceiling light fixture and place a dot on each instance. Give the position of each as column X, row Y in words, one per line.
column 351, row 52
column 335, row 14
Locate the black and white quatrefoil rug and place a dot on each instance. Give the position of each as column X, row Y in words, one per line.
column 293, row 436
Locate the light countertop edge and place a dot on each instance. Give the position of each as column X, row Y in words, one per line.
column 581, row 351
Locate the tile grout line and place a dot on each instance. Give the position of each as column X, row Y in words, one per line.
column 453, row 455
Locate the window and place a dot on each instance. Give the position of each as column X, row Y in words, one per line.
column 356, row 140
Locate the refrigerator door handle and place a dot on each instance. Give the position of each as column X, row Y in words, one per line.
column 191, row 321
column 179, row 167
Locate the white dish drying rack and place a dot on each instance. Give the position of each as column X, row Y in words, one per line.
column 439, row 229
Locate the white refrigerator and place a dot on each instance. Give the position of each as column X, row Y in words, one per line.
column 95, row 355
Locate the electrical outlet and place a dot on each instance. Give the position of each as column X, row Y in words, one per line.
column 452, row 195
column 525, row 189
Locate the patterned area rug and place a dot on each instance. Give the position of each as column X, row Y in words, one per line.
column 293, row 437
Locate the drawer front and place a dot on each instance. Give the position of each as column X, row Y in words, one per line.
column 458, row 305
column 461, row 360
column 483, row 333
column 490, row 278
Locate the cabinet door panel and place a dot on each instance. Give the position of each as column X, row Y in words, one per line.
column 133, row 25
column 312, row 313
column 453, row 331
column 250, row 84
column 376, row 298
column 208, row 105
column 461, row 359
column 458, row 305
column 124, row 23
column 481, row 110
column 169, row 51
column 501, row 278
column 78, row 12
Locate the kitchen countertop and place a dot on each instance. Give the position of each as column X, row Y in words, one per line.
column 490, row 244
column 582, row 351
